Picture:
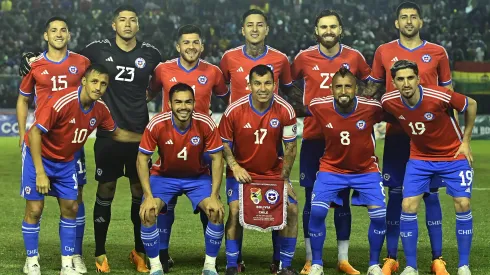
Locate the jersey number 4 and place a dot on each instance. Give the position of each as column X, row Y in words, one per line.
column 125, row 74
column 182, row 154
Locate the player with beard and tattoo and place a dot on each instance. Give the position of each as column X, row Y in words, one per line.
column 433, row 64
column 317, row 65
column 205, row 79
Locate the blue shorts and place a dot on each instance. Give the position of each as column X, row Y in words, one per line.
column 457, row 175
column 62, row 176
column 233, row 191
column 368, row 188
column 80, row 167
column 196, row 188
column 309, row 160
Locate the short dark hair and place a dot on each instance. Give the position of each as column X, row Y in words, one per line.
column 253, row 11
column 121, row 9
column 187, row 29
column 55, row 18
column 327, row 12
column 343, row 72
column 404, row 64
column 180, row 87
column 95, row 67
column 408, row 5
column 261, row 70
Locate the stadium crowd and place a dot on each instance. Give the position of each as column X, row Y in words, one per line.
column 462, row 29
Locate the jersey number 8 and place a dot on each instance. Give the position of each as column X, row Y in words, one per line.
column 344, row 138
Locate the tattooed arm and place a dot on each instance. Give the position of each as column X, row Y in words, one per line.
column 240, row 174
column 289, row 157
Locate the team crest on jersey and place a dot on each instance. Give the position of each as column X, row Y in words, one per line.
column 202, row 79
column 27, row 190
column 140, row 63
column 274, row 123
column 195, row 140
column 361, row 124
column 429, row 116
column 93, row 121
column 426, row 58
column 270, row 66
column 73, row 69
column 346, row 65
column 272, row 196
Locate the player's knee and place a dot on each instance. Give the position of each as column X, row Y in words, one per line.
column 34, row 210
column 462, row 204
column 69, row 208
column 293, row 211
column 215, row 218
column 410, row 205
column 106, row 189
column 234, row 213
column 318, row 212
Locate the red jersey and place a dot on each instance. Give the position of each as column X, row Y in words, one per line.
column 205, row 78
column 256, row 136
column 47, row 77
column 432, row 61
column 180, row 152
column 349, row 138
column 434, row 134
column 66, row 126
column 236, row 65
column 317, row 70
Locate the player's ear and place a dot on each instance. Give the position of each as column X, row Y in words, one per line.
column 45, row 36
column 170, row 104
column 397, row 24
column 177, row 46
column 113, row 25
column 202, row 47
column 84, row 80
column 266, row 29
column 243, row 31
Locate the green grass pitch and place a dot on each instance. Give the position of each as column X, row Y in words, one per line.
column 187, row 247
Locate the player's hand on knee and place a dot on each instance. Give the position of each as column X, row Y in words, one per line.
column 25, row 63
column 241, row 175
column 43, row 185
column 215, row 209
column 148, row 210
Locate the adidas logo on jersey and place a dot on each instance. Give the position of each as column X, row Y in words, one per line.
column 109, row 59
column 395, row 59
column 240, row 70
column 169, row 142
column 173, row 79
column 329, row 125
column 72, row 121
column 45, row 72
column 401, row 117
column 316, row 68
column 248, row 126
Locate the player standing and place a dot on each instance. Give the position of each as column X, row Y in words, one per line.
column 205, row 79
column 182, row 137
column 433, row 63
column 56, row 70
column 348, row 162
column 254, row 126
column 317, row 65
column 437, row 148
column 61, row 128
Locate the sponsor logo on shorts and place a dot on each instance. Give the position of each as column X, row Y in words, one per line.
column 202, row 79
column 195, row 140
column 302, row 176
column 386, row 176
column 230, row 192
column 27, row 190
column 361, row 124
column 429, row 116
column 99, row 171
column 274, row 123
column 140, row 63
column 272, row 196
column 256, row 195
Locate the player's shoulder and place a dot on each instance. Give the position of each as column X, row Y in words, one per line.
column 167, row 64
column 312, row 50
column 366, row 102
column 321, row 100
column 159, row 119
column 351, row 51
column 284, row 105
column 60, row 101
column 101, row 104
column 237, row 105
column 435, row 48
column 99, row 44
column 276, row 53
column 204, row 119
column 209, row 66
column 150, row 48
column 233, row 52
column 77, row 57
column 388, row 46
column 389, row 97
column 39, row 60
column 437, row 92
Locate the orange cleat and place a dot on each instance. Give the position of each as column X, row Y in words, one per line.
column 104, row 266
column 438, row 267
column 306, row 269
column 344, row 266
column 139, row 262
column 389, row 266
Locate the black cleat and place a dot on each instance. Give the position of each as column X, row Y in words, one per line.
column 241, row 267
column 231, row 271
column 274, row 267
column 166, row 261
column 288, row 271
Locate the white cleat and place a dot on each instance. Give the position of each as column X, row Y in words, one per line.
column 25, row 269
column 464, row 270
column 374, row 270
column 68, row 271
column 156, row 270
column 33, row 269
column 316, row 269
column 409, row 271
column 79, row 264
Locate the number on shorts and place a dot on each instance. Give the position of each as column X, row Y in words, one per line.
column 382, row 189
column 344, row 138
column 80, row 166
column 182, row 154
column 75, row 179
column 466, row 178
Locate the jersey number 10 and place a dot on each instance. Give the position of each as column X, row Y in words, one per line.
column 80, row 136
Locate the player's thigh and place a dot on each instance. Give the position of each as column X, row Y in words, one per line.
column 458, row 176
column 418, row 176
column 170, row 207
column 326, row 189
column 80, row 167
column 28, row 177
column 395, row 157
column 309, row 162
column 129, row 155
column 369, row 190
column 232, row 190
column 165, row 188
column 64, row 183
column 109, row 164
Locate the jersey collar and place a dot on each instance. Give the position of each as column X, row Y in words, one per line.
column 330, row 57
column 177, row 128
column 80, row 103
column 424, row 42
column 255, row 110
column 54, row 62
column 348, row 114
column 244, row 50
column 421, row 91
column 191, row 69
